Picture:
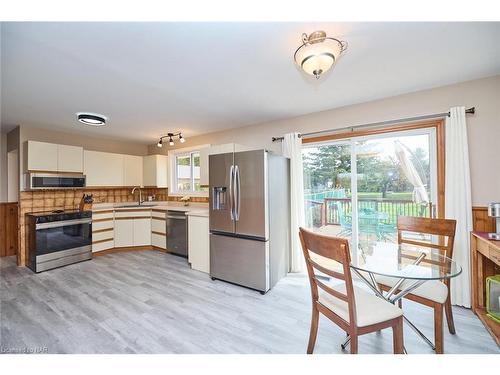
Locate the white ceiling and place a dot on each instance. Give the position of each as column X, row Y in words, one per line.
column 150, row 78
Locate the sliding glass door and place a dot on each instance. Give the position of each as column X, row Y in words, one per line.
column 356, row 188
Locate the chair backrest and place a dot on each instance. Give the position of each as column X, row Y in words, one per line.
column 332, row 248
column 438, row 227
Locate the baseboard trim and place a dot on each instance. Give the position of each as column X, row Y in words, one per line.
column 125, row 249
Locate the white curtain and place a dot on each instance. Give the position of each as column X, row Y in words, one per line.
column 292, row 148
column 458, row 200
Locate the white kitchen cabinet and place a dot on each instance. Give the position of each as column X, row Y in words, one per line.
column 132, row 170
column 69, row 158
column 142, row 232
column 155, row 168
column 42, row 156
column 103, row 168
column 51, row 157
column 124, row 233
column 198, row 243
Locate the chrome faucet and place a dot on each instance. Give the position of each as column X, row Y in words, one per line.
column 140, row 194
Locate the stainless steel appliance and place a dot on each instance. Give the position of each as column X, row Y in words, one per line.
column 494, row 211
column 36, row 181
column 249, row 218
column 58, row 238
column 177, row 239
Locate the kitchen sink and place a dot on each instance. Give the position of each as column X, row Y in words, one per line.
column 137, row 205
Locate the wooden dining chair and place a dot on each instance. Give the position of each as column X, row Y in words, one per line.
column 355, row 311
column 434, row 293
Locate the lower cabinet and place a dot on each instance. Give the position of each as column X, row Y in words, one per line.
column 124, row 232
column 132, row 232
column 199, row 243
column 142, row 231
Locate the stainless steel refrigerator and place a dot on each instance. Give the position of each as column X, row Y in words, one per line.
column 249, row 218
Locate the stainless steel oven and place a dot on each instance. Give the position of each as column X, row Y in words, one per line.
column 37, row 181
column 56, row 239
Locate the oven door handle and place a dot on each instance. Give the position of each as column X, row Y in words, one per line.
column 64, row 223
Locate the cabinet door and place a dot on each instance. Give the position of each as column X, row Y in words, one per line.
column 142, row 231
column 199, row 243
column 42, row 156
column 132, row 170
column 103, row 168
column 155, row 169
column 124, row 233
column 149, row 170
column 69, row 158
column 161, row 171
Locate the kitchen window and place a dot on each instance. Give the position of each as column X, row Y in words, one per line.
column 187, row 173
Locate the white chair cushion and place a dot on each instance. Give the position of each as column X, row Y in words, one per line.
column 433, row 290
column 370, row 309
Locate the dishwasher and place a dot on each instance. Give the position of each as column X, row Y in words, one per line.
column 177, row 232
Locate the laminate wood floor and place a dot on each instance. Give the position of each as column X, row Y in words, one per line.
column 151, row 302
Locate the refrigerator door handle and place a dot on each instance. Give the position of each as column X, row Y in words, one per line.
column 238, row 192
column 231, row 195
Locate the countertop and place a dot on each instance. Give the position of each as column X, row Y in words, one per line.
column 194, row 209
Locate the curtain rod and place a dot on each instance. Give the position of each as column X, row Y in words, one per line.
column 471, row 111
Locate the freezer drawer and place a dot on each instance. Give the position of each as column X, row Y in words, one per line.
column 241, row 261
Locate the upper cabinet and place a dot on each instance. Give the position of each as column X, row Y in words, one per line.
column 69, row 158
column 132, row 170
column 103, row 168
column 51, row 157
column 155, row 171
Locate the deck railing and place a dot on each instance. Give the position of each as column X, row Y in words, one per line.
column 330, row 210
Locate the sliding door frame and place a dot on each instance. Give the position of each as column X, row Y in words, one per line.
column 440, row 148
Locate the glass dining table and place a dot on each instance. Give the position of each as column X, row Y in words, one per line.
column 407, row 267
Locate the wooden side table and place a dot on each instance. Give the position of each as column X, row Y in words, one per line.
column 485, row 261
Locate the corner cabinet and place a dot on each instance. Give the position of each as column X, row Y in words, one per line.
column 155, row 171
column 133, row 228
column 132, row 170
column 52, row 157
column 103, row 168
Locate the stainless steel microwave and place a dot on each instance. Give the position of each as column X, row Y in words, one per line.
column 39, row 181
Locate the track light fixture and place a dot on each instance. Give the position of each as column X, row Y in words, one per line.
column 171, row 137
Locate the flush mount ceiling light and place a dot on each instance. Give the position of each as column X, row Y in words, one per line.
column 171, row 137
column 91, row 119
column 318, row 53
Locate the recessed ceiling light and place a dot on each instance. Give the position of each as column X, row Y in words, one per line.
column 91, row 119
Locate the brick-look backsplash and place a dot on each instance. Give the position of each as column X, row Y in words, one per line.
column 50, row 200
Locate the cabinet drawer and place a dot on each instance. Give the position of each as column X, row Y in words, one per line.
column 158, row 214
column 495, row 255
column 103, row 246
column 159, row 240
column 103, row 235
column 102, row 215
column 483, row 247
column 104, row 224
column 158, row 225
column 132, row 213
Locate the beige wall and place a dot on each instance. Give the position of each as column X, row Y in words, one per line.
column 484, row 126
